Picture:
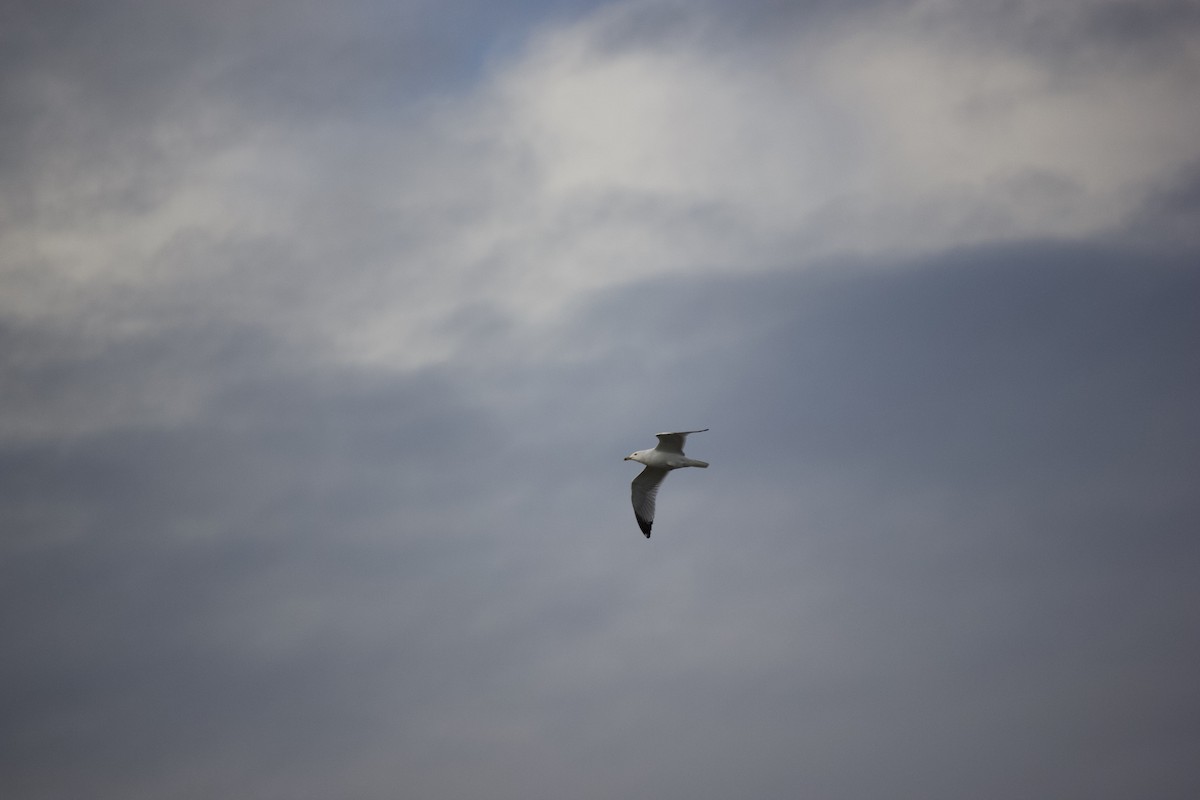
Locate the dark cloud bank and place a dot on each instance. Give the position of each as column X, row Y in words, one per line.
column 947, row 548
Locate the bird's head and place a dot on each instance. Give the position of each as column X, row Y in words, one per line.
column 636, row 455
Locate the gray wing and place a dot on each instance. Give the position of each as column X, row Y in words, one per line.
column 645, row 488
column 673, row 442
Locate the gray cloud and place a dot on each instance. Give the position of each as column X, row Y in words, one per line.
column 314, row 403
column 969, row 533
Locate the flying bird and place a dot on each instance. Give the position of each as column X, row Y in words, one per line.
column 666, row 456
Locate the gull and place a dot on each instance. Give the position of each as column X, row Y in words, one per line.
column 666, row 456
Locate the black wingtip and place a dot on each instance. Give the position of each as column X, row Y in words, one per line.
column 644, row 525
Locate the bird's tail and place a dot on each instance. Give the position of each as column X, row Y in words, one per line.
column 694, row 463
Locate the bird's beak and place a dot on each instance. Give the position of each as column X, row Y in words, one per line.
column 626, row 458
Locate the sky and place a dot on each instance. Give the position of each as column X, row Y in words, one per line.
column 325, row 328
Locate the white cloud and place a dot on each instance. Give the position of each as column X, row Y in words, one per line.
column 587, row 165
column 891, row 136
column 1019, row 148
column 581, row 165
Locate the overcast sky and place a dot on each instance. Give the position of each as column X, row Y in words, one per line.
column 325, row 327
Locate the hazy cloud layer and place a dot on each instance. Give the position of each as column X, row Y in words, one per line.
column 324, row 331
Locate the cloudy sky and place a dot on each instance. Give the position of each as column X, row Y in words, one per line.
column 324, row 328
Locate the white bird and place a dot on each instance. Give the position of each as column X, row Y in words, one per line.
column 666, row 456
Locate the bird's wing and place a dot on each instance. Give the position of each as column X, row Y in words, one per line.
column 645, row 488
column 673, row 442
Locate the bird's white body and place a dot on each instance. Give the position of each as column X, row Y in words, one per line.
column 660, row 460
column 668, row 455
